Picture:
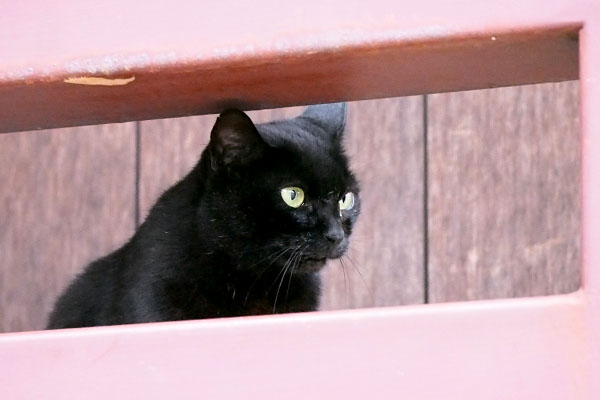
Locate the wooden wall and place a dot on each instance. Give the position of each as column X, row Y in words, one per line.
column 467, row 195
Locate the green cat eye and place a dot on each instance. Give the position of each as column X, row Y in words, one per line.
column 293, row 196
column 347, row 202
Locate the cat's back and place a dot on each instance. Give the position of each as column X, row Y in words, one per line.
column 91, row 298
column 118, row 288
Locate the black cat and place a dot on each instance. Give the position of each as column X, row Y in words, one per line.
column 245, row 232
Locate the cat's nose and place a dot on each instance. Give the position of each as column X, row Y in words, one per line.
column 334, row 234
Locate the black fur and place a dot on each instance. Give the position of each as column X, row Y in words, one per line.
column 222, row 242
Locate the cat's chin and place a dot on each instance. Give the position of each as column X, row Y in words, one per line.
column 311, row 265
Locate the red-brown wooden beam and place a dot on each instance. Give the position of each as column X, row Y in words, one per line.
column 79, row 63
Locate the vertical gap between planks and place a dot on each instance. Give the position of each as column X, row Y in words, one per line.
column 138, row 153
column 425, row 204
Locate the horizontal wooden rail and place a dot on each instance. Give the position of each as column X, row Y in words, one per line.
column 78, row 64
column 508, row 349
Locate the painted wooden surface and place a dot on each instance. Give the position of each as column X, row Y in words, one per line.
column 504, row 192
column 108, row 64
column 590, row 191
column 500, row 349
column 528, row 348
column 66, row 196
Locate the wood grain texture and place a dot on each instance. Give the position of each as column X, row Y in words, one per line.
column 504, row 192
column 384, row 140
column 67, row 197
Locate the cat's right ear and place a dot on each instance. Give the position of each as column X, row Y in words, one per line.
column 234, row 139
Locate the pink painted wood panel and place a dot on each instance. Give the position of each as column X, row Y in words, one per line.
column 137, row 67
column 590, row 144
column 512, row 349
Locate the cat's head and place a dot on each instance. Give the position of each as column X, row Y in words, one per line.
column 280, row 193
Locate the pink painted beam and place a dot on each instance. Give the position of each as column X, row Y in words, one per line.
column 590, row 147
column 81, row 62
column 511, row 349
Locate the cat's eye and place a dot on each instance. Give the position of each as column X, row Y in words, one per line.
column 293, row 196
column 347, row 202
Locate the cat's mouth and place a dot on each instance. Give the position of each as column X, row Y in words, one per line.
column 313, row 264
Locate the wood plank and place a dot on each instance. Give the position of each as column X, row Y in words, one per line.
column 67, row 197
column 387, row 245
column 114, row 66
column 504, row 192
column 534, row 348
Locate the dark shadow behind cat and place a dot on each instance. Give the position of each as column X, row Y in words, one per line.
column 246, row 232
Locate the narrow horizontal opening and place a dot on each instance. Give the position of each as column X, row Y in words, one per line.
column 495, row 172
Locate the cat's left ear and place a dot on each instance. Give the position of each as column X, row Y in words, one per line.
column 234, row 139
column 330, row 117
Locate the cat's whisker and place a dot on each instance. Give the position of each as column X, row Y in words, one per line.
column 276, row 256
column 284, row 270
column 296, row 263
column 345, row 283
column 362, row 278
column 285, row 265
column 362, row 239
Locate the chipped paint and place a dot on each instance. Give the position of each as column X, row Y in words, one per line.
column 98, row 81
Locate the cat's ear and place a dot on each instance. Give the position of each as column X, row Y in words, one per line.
column 330, row 117
column 234, row 139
